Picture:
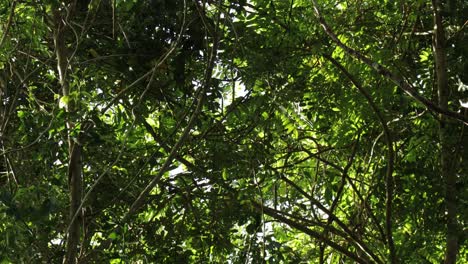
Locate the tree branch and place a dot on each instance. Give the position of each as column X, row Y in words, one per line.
column 140, row 201
column 159, row 140
column 390, row 156
column 331, row 215
column 74, row 148
column 10, row 21
column 380, row 69
column 273, row 213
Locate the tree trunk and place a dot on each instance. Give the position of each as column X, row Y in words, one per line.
column 447, row 137
column 74, row 148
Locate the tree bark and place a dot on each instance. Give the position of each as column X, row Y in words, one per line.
column 447, row 136
column 74, row 148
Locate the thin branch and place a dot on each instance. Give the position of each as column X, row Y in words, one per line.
column 382, row 70
column 10, row 21
column 139, row 202
column 271, row 212
column 160, row 141
column 331, row 215
column 326, row 227
column 390, row 156
column 339, row 192
column 101, row 176
column 317, row 156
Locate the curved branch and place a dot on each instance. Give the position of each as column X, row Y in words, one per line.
column 390, row 156
column 339, row 193
column 273, row 213
column 332, row 216
column 382, row 70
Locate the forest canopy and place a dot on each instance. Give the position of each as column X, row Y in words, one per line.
column 246, row 131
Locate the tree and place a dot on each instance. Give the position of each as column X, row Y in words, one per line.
column 240, row 131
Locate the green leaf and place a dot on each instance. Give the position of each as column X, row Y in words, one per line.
column 113, row 236
column 64, row 100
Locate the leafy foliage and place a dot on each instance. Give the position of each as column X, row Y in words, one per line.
column 262, row 138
